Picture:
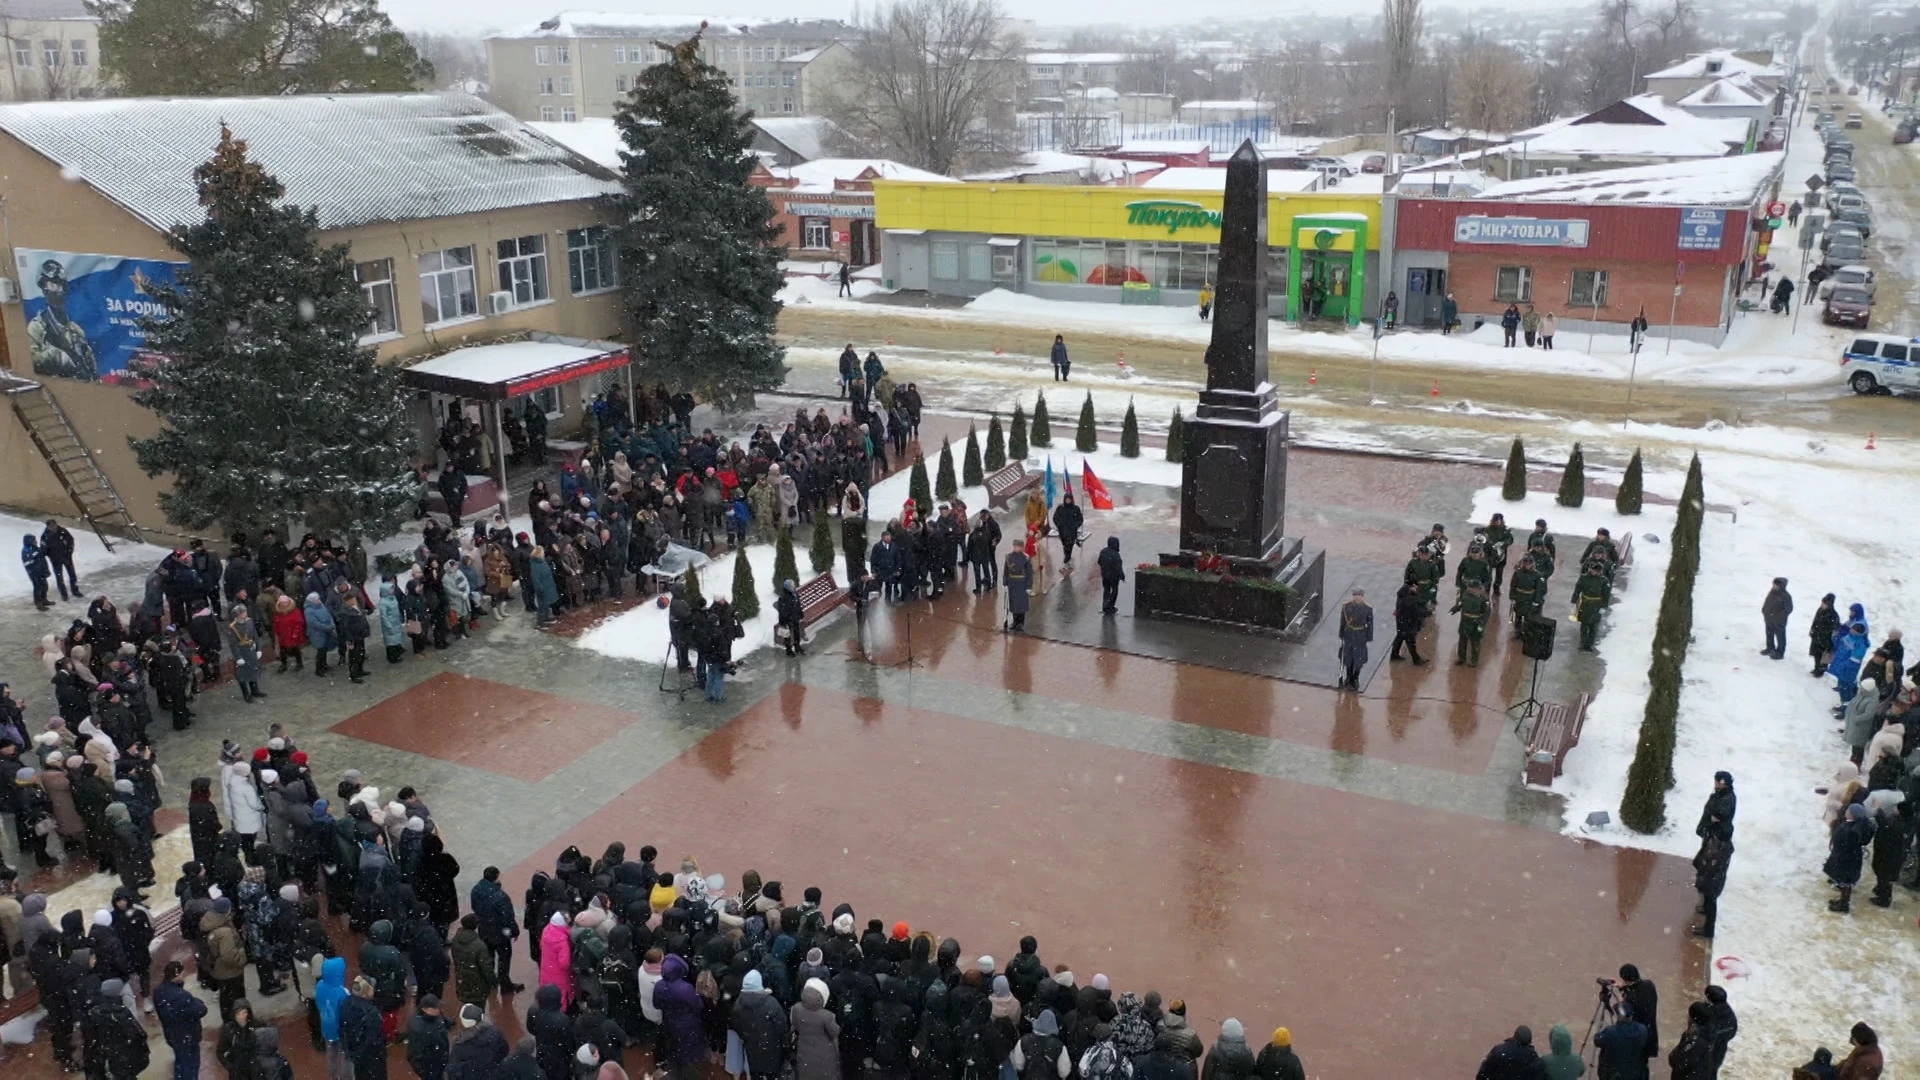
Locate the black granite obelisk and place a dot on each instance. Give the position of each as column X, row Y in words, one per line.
column 1234, row 482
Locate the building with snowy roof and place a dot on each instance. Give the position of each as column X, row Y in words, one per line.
column 1695, row 72
column 824, row 208
column 465, row 226
column 1673, row 242
column 1640, row 130
column 1739, row 96
column 579, row 64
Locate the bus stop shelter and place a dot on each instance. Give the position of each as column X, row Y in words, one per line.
column 495, row 374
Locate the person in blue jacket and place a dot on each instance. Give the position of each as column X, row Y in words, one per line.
column 1061, row 363
column 320, row 632
column 180, row 1016
column 392, row 622
column 1848, row 654
column 34, row 558
column 328, row 995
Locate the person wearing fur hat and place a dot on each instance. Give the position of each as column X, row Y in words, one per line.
column 478, row 1047
column 816, row 1035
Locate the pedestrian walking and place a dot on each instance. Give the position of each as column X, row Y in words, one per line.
column 1356, row 632
column 1449, row 314
column 58, row 543
column 1112, row 573
column 1017, row 577
column 1510, row 325
column 1206, row 301
column 846, row 281
column 1409, row 614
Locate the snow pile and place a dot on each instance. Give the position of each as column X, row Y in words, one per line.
column 804, row 289
column 90, row 556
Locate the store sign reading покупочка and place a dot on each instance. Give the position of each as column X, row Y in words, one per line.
column 1523, row 231
column 1172, row 214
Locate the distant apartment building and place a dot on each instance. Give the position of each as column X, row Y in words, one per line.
column 52, row 50
column 1052, row 75
column 580, row 64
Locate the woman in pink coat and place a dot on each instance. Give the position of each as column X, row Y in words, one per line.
column 556, row 958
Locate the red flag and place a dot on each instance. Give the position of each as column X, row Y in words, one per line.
column 1097, row 496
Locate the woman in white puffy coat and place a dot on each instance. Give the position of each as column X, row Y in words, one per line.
column 245, row 812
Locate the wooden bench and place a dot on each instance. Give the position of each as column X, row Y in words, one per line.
column 1556, row 730
column 819, row 596
column 1003, row 485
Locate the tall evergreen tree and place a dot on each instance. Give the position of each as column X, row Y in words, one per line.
column 189, row 48
column 699, row 265
column 1627, row 500
column 269, row 407
column 944, row 485
column 971, row 474
column 917, row 487
column 746, row 598
column 1040, row 429
column 1085, row 438
column 996, row 445
column 820, row 555
column 1514, row 487
column 1573, row 482
column 1177, row 437
column 696, row 598
column 1643, row 803
column 785, row 567
column 1130, row 433
column 1017, row 436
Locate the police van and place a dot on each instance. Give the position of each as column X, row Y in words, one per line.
column 1882, row 364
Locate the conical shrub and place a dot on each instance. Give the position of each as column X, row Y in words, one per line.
column 944, row 485
column 785, row 567
column 746, row 598
column 1085, row 439
column 1627, row 499
column 1017, row 435
column 1130, row 433
column 996, row 444
column 1177, row 437
column 820, row 554
column 917, row 487
column 691, row 579
column 971, row 474
column 1514, row 487
column 1039, row 430
column 1573, row 482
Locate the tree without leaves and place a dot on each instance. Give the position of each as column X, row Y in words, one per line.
column 1491, row 85
column 1401, row 24
column 248, row 47
column 269, row 406
column 746, row 598
column 932, row 83
column 698, row 263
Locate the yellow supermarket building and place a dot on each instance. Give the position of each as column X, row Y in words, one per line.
column 1133, row 245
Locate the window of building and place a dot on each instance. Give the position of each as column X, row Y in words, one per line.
column 77, row 51
column 563, row 54
column 786, row 78
column 376, row 287
column 816, row 234
column 619, row 54
column 619, row 84
column 523, row 268
column 542, row 54
column 566, row 86
column 1513, row 284
column 546, row 87
column 23, row 54
column 787, row 105
column 979, row 262
column 546, row 114
column 1588, row 289
column 446, row 286
column 567, row 115
column 946, row 260
column 589, row 259
column 50, row 53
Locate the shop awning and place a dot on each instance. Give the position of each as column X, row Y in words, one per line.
column 509, row 369
column 1004, row 241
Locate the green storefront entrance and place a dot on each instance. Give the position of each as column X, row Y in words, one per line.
column 1323, row 283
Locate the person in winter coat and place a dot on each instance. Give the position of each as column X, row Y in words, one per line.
column 1561, row 1063
column 1017, row 578
column 816, row 1035
column 112, row 1032
column 237, row 1045
column 1510, row 324
column 497, row 925
column 1723, row 1025
column 393, row 621
column 180, row 1015
column 363, row 1036
column 1112, row 573
column 1513, row 1059
column 1864, row 1061
column 1849, row 656
column 1846, row 855
column 1067, row 521
column 243, row 639
column 1040, row 1055
column 478, row 1047
column 459, row 592
column 788, row 615
column 289, row 632
column 224, row 954
column 1623, row 1049
column 1230, row 1059
column 1692, row 1056
column 1277, row 1060
column 546, row 593
column 1774, row 611
column 1061, row 363
column 1820, row 635
column 320, row 632
column 473, row 967
column 556, row 957
column 761, row 1024
column 427, row 1047
column 1177, row 1035
column 681, row 1012
column 553, row 1034
column 382, row 962
column 329, row 995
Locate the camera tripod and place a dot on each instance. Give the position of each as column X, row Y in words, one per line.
column 1530, row 704
column 1606, row 1007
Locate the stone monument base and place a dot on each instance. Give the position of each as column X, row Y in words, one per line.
column 1280, row 596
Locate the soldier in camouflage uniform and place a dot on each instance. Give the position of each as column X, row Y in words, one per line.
column 1528, row 592
column 1423, row 572
column 1474, row 609
column 1589, row 600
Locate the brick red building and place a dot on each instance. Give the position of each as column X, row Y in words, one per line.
column 1596, row 247
column 825, row 207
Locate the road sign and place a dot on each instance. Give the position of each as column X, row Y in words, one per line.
column 1776, row 209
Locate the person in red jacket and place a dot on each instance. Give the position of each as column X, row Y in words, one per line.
column 289, row 632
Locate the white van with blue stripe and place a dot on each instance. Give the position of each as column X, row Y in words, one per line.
column 1881, row 363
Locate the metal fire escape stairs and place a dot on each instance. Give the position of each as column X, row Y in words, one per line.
column 92, row 493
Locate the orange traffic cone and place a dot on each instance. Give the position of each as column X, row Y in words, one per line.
column 1313, row 377
column 1870, row 440
column 1435, row 392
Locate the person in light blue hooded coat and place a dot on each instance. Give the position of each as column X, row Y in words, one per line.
column 320, row 631
column 327, row 996
column 393, row 626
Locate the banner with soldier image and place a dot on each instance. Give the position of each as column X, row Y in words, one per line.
column 83, row 311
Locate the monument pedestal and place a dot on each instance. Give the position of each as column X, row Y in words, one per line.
column 1279, row 595
column 1233, row 482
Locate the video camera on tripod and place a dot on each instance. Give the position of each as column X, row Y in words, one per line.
column 1612, row 1006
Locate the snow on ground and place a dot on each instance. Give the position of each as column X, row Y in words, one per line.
column 803, row 289
column 89, row 554
column 1797, row 974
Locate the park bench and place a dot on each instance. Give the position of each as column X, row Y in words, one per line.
column 1556, row 730
column 819, row 596
column 1623, row 572
column 1003, row 485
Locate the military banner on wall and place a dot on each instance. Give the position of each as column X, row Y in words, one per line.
column 83, row 311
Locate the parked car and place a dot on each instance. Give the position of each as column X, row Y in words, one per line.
column 1903, row 133
column 1840, row 171
column 1850, row 277
column 1848, row 306
column 1374, row 163
column 1842, row 254
column 1857, row 217
column 1880, row 363
column 1843, row 233
column 1849, row 201
column 1854, row 120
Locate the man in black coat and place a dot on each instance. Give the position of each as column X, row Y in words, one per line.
column 1409, row 612
column 1112, row 573
column 1722, row 1023
column 354, row 631
column 57, row 542
column 427, row 1050
column 1623, row 1050
column 788, row 614
column 361, row 1034
column 1067, row 520
column 552, row 1032
column 477, row 1049
column 1641, row 996
column 498, row 927
column 762, row 1025
column 1512, row 1059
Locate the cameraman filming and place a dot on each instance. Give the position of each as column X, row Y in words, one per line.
column 1642, row 1000
column 1623, row 1049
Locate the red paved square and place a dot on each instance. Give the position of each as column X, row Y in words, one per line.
column 1384, row 935
column 487, row 725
